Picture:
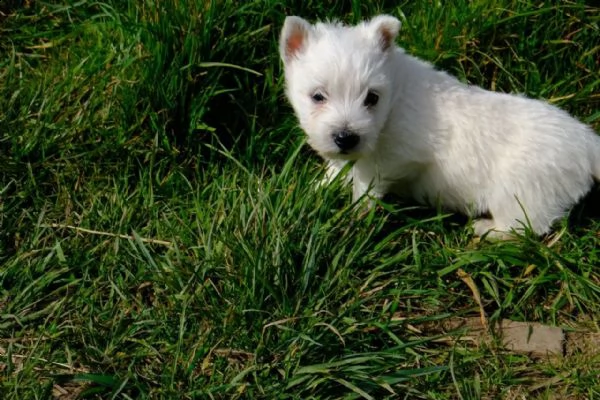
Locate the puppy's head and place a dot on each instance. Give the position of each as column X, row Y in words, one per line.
column 339, row 82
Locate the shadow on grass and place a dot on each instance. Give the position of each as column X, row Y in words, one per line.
column 586, row 212
column 408, row 212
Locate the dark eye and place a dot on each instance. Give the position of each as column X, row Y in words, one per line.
column 318, row 98
column 371, row 99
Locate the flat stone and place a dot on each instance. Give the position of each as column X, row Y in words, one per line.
column 531, row 337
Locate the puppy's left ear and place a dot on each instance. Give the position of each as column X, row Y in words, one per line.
column 386, row 29
column 294, row 38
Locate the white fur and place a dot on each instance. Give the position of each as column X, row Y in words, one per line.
column 430, row 136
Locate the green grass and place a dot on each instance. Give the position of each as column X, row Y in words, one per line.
column 162, row 236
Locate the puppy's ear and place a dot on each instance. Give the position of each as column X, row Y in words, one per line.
column 386, row 29
column 294, row 38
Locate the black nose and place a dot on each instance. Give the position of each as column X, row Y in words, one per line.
column 346, row 140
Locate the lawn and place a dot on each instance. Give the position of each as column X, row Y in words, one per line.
column 162, row 234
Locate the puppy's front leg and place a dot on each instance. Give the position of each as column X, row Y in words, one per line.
column 334, row 167
column 366, row 182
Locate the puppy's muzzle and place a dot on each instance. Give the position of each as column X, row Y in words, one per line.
column 346, row 140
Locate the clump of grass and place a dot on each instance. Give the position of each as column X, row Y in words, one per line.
column 162, row 233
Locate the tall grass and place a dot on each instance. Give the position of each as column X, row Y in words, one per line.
column 162, row 234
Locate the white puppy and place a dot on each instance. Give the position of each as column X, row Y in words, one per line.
column 415, row 131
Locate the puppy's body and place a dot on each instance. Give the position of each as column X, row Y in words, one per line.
column 419, row 132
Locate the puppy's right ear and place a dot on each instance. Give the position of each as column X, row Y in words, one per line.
column 386, row 28
column 294, row 38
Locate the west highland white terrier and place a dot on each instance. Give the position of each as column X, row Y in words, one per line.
column 415, row 131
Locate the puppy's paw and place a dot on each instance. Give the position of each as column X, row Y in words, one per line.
column 488, row 228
